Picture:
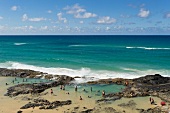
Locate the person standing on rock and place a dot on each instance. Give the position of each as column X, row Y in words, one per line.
column 61, row 87
column 103, row 93
column 76, row 88
column 91, row 89
column 81, row 98
column 51, row 91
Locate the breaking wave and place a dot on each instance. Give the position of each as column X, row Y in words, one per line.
column 87, row 74
column 18, row 44
column 148, row 48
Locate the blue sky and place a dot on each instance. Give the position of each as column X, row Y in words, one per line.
column 108, row 17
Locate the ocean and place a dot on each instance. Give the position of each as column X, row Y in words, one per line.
column 89, row 56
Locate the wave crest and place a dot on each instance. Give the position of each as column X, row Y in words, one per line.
column 18, row 44
column 148, row 48
column 87, row 74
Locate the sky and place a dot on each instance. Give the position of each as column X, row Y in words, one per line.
column 86, row 17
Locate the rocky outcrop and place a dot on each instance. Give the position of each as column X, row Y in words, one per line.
column 45, row 104
column 151, row 110
column 152, row 80
column 19, row 73
column 156, row 85
column 30, row 88
column 23, row 73
column 106, row 99
column 131, row 104
column 34, row 88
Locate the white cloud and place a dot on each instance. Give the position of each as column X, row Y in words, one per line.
column 49, row 11
column 79, row 12
column 36, row 19
column 106, row 20
column 143, row 13
column 60, row 18
column 24, row 17
column 167, row 15
column 2, row 27
column 44, row 27
column 1, row 17
column 81, row 22
column 31, row 27
column 107, row 28
column 85, row 15
column 14, row 8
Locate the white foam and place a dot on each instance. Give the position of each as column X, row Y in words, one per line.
column 18, row 44
column 80, row 45
column 86, row 73
column 148, row 48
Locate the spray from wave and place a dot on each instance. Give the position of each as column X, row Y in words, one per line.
column 87, row 74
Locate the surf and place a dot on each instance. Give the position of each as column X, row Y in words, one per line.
column 85, row 74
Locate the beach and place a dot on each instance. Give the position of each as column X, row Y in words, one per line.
column 122, row 105
column 128, row 68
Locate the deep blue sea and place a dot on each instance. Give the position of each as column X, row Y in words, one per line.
column 98, row 56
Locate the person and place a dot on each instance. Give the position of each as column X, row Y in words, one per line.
column 76, row 88
column 103, row 93
column 13, row 81
column 6, row 83
column 51, row 91
column 61, row 87
column 126, row 83
column 91, row 89
column 152, row 101
column 81, row 98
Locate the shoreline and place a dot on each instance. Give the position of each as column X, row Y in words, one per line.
column 136, row 91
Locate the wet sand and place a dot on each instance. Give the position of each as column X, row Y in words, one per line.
column 12, row 105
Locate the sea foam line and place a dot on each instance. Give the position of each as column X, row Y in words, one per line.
column 87, row 74
column 18, row 44
column 148, row 48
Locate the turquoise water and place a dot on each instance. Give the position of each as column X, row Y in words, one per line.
column 89, row 56
column 17, row 80
column 96, row 89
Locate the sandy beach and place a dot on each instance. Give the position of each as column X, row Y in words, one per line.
column 12, row 105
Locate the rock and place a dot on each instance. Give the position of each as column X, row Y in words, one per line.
column 87, row 111
column 109, row 110
column 114, row 98
column 45, row 104
column 75, row 108
column 30, row 105
column 130, row 104
column 152, row 79
column 152, row 110
column 19, row 111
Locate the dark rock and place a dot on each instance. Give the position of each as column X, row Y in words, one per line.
column 130, row 104
column 30, row 105
column 75, row 108
column 19, row 111
column 45, row 104
column 152, row 79
column 87, row 111
column 109, row 110
column 114, row 98
column 152, row 110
